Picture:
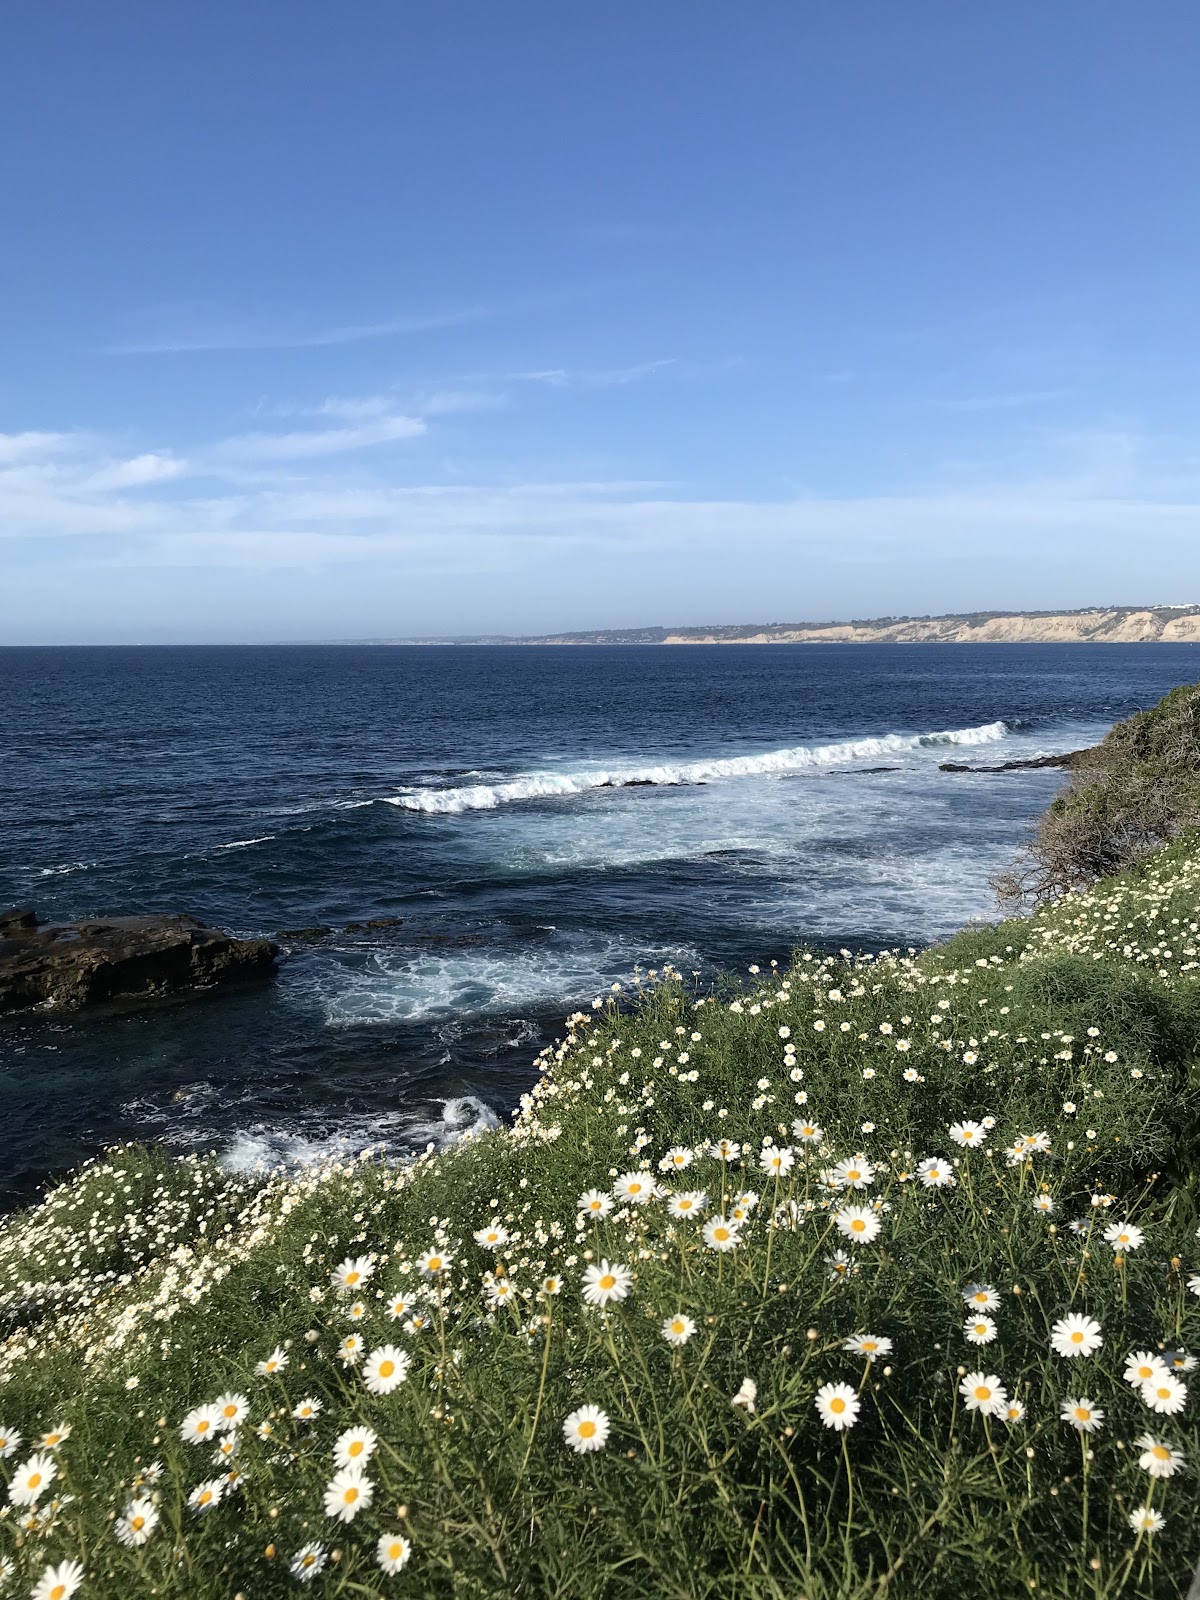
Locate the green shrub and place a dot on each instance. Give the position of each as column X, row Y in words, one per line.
column 1138, row 790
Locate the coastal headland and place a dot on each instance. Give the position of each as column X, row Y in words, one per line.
column 1156, row 624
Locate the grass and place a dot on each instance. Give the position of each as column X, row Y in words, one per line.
column 144, row 1288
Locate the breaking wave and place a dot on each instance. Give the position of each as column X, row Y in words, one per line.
column 264, row 1149
column 800, row 758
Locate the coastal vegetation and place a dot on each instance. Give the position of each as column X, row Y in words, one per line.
column 1138, row 789
column 857, row 1276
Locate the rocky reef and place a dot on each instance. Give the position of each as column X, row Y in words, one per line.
column 63, row 966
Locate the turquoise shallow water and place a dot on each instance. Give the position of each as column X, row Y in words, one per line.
column 530, row 824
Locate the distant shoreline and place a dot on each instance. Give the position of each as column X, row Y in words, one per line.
column 1161, row 624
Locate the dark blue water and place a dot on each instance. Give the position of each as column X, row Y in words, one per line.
column 476, row 799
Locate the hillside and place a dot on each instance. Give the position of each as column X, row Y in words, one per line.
column 872, row 1277
column 1106, row 625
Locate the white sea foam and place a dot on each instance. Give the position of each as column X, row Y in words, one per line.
column 478, row 982
column 798, row 758
column 242, row 844
column 264, row 1149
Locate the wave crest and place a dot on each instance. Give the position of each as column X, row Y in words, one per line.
column 799, row 758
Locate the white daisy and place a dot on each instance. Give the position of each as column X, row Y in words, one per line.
column 56, row 1436
column 1165, row 1394
column 586, row 1429
column 399, row 1306
column 869, row 1345
column 678, row 1329
column 967, row 1133
column 721, row 1234
column 273, row 1364
column 837, row 1405
column 979, row 1330
column 392, row 1552
column 985, row 1393
column 307, row 1562
column 434, row 1263
column 493, row 1237
column 1157, row 1458
column 840, row 1265
column 1146, row 1520
column 594, row 1203
column 856, row 1172
column 936, row 1173
column 1083, row 1414
column 808, row 1132
column 31, row 1479
column 351, row 1274
column 1013, row 1412
column 307, row 1409
column 1143, row 1366
column 206, row 1495
column 232, row 1409
column 980, row 1297
column 678, row 1157
column 350, row 1349
column 1075, row 1335
column 385, row 1369
column 725, row 1150
column 688, row 1203
column 347, row 1493
column 137, row 1522
column 1124, row 1236
column 58, row 1583
column 858, row 1224
column 200, row 1425
column 10, row 1442
column 1042, row 1203
column 777, row 1160
column 606, row 1281
column 638, row 1188
column 355, row 1447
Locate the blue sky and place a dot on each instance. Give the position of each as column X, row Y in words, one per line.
column 335, row 321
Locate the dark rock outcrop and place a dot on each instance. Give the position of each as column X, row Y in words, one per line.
column 67, row 965
column 1069, row 758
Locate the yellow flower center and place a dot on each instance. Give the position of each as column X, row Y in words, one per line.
column 587, row 1430
column 677, row 1326
column 1077, row 1337
column 982, row 1392
column 857, row 1225
column 837, row 1406
column 203, row 1425
column 395, row 1551
column 206, row 1497
column 308, row 1560
column 349, row 1496
column 35, row 1479
column 355, row 1449
column 1082, row 1413
column 869, row 1344
column 58, row 1592
column 352, row 1278
column 137, row 1523
column 635, row 1188
column 1160, row 1452
column 386, row 1368
column 608, row 1281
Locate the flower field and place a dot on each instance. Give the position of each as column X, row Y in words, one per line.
column 856, row 1277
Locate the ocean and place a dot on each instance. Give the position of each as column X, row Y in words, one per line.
column 490, row 836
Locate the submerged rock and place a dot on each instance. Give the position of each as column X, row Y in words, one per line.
column 64, row 966
column 1069, row 758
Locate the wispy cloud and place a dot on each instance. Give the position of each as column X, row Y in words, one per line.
column 305, row 443
column 154, row 467
column 259, row 336
column 593, row 378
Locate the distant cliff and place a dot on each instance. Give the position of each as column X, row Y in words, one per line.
column 1101, row 625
